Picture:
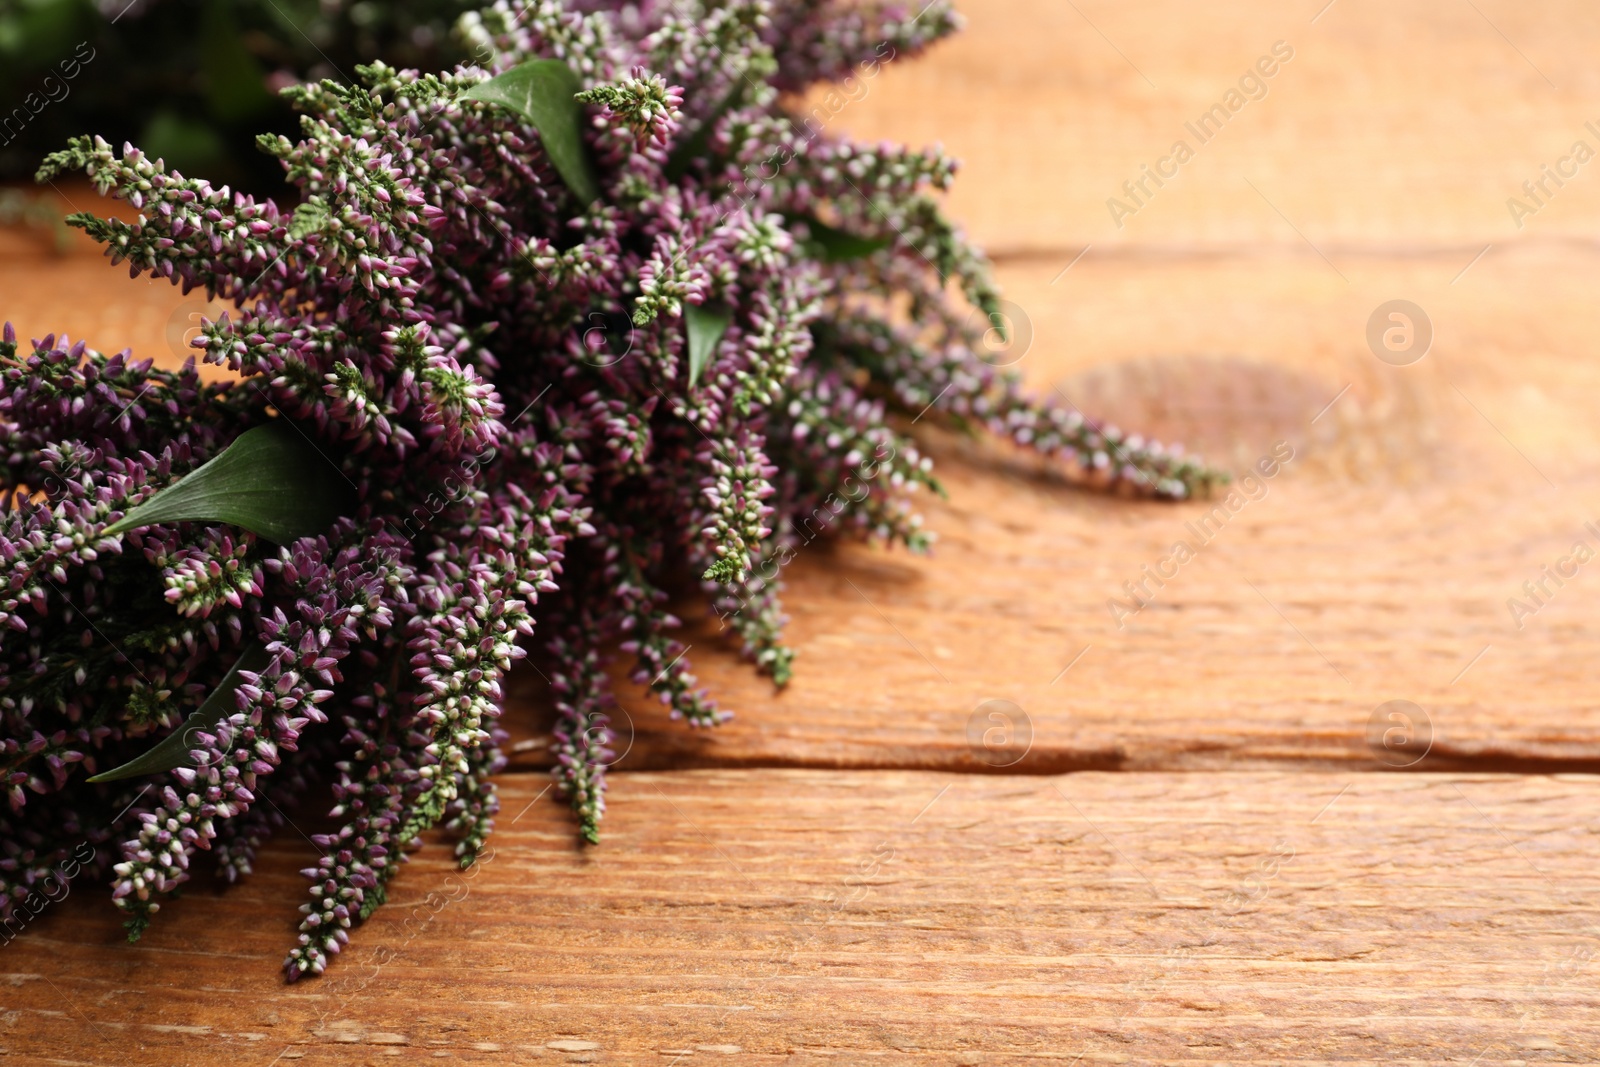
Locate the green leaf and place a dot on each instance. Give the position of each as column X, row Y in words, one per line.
column 706, row 327
column 833, row 245
column 271, row 481
column 542, row 92
column 173, row 750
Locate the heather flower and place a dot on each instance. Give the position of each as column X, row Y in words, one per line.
column 539, row 407
column 642, row 102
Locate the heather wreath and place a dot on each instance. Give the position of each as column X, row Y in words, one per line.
column 538, row 334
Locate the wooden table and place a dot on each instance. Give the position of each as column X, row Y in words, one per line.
column 1206, row 854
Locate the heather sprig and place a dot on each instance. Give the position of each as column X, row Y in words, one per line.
column 539, row 406
column 642, row 102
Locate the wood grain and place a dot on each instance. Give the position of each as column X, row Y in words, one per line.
column 822, row 916
column 791, row 900
column 1398, row 123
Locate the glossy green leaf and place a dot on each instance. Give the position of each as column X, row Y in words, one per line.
column 271, row 481
column 173, row 750
column 706, row 327
column 833, row 245
column 542, row 92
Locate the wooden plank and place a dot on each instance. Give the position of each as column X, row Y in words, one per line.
column 1377, row 566
column 787, row 916
column 1398, row 123
column 781, row 915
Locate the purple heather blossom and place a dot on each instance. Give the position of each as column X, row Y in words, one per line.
column 501, row 372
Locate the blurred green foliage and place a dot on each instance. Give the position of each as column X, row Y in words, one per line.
column 192, row 81
column 25, row 208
